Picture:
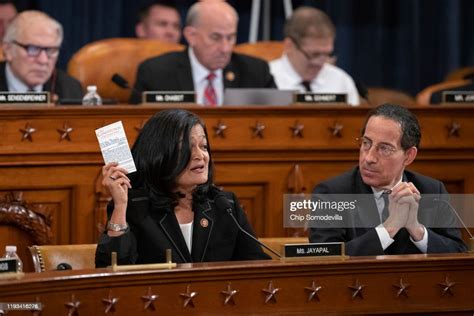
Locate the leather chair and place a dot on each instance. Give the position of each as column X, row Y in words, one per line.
column 95, row 63
column 460, row 74
column 378, row 96
column 266, row 50
column 276, row 243
column 424, row 97
column 48, row 257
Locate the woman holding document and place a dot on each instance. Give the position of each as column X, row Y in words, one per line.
column 170, row 202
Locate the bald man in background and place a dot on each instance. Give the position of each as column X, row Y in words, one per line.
column 208, row 64
column 31, row 46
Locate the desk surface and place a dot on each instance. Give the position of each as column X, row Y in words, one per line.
column 384, row 284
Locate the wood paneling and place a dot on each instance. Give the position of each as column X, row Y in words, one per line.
column 425, row 276
column 62, row 174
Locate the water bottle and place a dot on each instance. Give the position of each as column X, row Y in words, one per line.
column 10, row 253
column 92, row 97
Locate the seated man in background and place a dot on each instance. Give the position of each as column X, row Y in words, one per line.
column 306, row 62
column 7, row 13
column 31, row 47
column 208, row 65
column 159, row 20
column 389, row 224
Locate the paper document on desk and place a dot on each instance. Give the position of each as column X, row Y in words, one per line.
column 114, row 146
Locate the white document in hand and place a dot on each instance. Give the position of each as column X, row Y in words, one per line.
column 114, row 146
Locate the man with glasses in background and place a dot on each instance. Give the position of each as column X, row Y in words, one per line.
column 389, row 222
column 307, row 61
column 31, row 47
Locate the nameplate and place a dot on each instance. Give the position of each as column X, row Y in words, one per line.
column 328, row 249
column 458, row 97
column 169, row 97
column 7, row 265
column 24, row 98
column 320, row 98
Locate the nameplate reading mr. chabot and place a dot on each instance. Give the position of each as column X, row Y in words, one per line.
column 321, row 98
column 25, row 98
column 7, row 265
column 314, row 250
column 169, row 97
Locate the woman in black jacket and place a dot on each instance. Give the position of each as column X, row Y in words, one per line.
column 169, row 203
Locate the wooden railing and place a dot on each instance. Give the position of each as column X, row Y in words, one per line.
column 51, row 155
column 392, row 285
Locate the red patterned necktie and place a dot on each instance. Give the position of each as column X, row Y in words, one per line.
column 210, row 97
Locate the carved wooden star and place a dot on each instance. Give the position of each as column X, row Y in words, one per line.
column 271, row 293
column 110, row 302
column 73, row 306
column 336, row 129
column 258, row 130
column 402, row 288
column 27, row 132
column 313, row 291
column 297, row 129
column 139, row 127
column 229, row 293
column 188, row 297
column 219, row 129
column 447, row 286
column 65, row 132
column 357, row 289
column 149, row 299
column 453, row 129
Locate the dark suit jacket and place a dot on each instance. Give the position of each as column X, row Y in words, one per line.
column 172, row 72
column 63, row 85
column 152, row 231
column 364, row 241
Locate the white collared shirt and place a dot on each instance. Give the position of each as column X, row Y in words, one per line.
column 200, row 74
column 330, row 79
column 187, row 230
column 384, row 236
column 16, row 85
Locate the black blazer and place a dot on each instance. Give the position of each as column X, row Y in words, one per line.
column 152, row 231
column 60, row 83
column 361, row 241
column 172, row 72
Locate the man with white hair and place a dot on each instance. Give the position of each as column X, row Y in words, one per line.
column 31, row 47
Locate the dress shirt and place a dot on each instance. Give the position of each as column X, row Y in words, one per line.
column 330, row 79
column 200, row 74
column 16, row 85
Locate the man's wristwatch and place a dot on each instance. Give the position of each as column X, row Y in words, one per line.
column 117, row 227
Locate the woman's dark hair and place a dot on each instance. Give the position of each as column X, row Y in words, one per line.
column 162, row 151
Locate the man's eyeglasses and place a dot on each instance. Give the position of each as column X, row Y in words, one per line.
column 35, row 51
column 315, row 56
column 384, row 150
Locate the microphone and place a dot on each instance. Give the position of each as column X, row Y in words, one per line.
column 63, row 266
column 123, row 83
column 120, row 81
column 223, row 203
column 430, row 202
column 363, row 91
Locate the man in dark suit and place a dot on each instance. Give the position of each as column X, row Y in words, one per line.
column 31, row 46
column 208, row 65
column 392, row 220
